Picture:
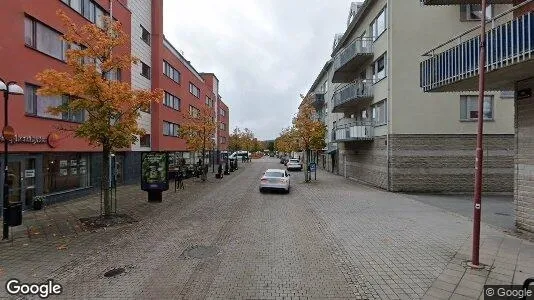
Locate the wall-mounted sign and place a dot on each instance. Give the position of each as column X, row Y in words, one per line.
column 20, row 139
column 154, row 167
column 29, row 173
column 52, row 139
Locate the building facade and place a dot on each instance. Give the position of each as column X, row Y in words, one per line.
column 509, row 65
column 391, row 134
column 45, row 160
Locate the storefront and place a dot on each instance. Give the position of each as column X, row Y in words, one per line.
column 46, row 174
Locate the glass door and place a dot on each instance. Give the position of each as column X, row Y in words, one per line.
column 15, row 182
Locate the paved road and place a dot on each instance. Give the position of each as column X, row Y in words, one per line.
column 326, row 239
column 496, row 210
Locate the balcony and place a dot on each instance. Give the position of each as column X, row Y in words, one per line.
column 456, row 2
column 354, row 131
column 349, row 61
column 349, row 97
column 509, row 58
column 318, row 100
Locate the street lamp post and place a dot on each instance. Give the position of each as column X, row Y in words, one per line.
column 477, row 209
column 9, row 88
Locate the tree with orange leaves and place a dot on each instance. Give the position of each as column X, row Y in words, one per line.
column 198, row 130
column 111, row 107
column 309, row 131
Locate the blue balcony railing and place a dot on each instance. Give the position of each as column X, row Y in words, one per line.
column 507, row 44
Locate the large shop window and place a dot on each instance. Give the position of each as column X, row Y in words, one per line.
column 38, row 106
column 469, row 108
column 66, row 171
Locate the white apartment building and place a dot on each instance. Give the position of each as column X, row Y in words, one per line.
column 388, row 132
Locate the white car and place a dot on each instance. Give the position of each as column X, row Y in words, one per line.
column 275, row 179
column 294, row 164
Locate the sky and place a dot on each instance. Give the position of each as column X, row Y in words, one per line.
column 264, row 52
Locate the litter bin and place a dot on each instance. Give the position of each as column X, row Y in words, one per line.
column 14, row 213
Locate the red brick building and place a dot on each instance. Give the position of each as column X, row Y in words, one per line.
column 54, row 163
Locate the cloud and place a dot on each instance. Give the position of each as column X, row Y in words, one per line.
column 265, row 53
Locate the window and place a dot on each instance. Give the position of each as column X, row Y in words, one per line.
column 469, row 108
column 222, row 112
column 145, row 70
column 65, row 171
column 38, row 106
column 223, row 140
column 171, row 72
column 194, row 112
column 74, row 4
column 380, row 113
column 209, row 101
column 193, row 89
column 324, row 87
column 170, row 129
column 379, row 68
column 44, row 39
column 222, row 126
column 145, row 35
column 113, row 75
column 507, row 94
column 144, row 141
column 378, row 25
column 473, row 12
column 171, row 101
column 89, row 9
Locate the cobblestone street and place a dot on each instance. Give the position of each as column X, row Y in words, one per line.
column 331, row 238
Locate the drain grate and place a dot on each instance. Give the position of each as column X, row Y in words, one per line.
column 502, row 214
column 114, row 272
column 199, row 251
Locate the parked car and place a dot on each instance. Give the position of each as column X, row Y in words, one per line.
column 294, row 164
column 275, row 179
column 283, row 160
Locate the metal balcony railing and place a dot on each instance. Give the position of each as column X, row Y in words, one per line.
column 357, row 130
column 507, row 44
column 452, row 2
column 345, row 97
column 360, row 46
column 318, row 100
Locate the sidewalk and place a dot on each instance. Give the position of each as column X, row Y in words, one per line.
column 62, row 220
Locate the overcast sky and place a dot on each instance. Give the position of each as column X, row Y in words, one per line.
column 264, row 52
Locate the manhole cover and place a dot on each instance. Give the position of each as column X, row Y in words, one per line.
column 114, row 272
column 502, row 214
column 200, row 252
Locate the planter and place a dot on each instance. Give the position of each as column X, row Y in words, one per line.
column 37, row 205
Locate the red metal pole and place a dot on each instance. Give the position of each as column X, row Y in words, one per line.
column 479, row 154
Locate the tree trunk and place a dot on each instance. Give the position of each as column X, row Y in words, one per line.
column 106, row 151
column 204, row 175
column 306, row 165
